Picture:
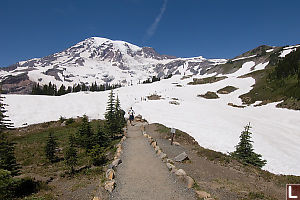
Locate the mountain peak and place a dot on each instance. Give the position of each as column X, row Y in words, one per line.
column 100, row 60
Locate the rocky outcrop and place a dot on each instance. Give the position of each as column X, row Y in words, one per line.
column 19, row 84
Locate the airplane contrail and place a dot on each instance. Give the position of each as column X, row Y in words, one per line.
column 151, row 30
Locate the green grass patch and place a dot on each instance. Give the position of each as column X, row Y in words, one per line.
column 265, row 90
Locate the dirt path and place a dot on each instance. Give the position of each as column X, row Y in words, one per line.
column 142, row 175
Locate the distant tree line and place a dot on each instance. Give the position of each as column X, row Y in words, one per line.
column 154, row 79
column 52, row 90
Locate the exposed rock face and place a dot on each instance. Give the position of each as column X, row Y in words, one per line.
column 19, row 84
column 101, row 60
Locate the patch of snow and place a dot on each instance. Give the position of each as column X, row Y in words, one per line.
column 245, row 69
column 285, row 52
column 260, row 66
column 291, row 47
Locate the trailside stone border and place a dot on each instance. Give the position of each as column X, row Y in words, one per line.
column 180, row 173
column 110, row 174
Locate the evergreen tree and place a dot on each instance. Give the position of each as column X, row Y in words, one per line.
column 69, row 90
column 245, row 152
column 101, row 137
column 7, row 185
column 71, row 158
column 83, row 87
column 85, row 134
column 102, row 87
column 97, row 155
column 62, row 90
column 110, row 114
column 119, row 116
column 50, row 148
column 7, row 157
column 76, row 88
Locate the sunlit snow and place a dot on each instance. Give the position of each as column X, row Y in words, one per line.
column 214, row 124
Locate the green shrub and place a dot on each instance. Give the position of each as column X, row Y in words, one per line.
column 244, row 150
column 6, row 185
column 97, row 155
column 70, row 121
column 11, row 188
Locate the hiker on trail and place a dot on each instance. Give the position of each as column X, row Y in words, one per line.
column 131, row 115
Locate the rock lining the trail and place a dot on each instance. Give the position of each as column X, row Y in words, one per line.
column 180, row 173
column 110, row 174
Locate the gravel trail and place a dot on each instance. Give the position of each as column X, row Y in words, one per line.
column 142, row 175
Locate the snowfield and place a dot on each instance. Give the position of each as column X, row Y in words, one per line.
column 214, row 124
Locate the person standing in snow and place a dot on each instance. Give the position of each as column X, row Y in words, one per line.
column 131, row 115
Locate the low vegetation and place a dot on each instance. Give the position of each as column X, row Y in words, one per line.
column 209, row 95
column 213, row 79
column 154, row 97
column 227, row 90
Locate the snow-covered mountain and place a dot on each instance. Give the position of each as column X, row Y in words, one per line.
column 101, row 60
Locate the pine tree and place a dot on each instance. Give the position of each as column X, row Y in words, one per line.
column 245, row 152
column 119, row 116
column 50, row 148
column 85, row 134
column 97, row 155
column 71, row 158
column 101, row 137
column 7, row 157
column 110, row 114
column 62, row 90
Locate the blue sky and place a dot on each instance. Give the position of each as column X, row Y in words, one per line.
column 184, row 28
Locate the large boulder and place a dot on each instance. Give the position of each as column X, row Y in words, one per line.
column 181, row 157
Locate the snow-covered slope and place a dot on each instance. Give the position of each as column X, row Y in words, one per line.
column 214, row 124
column 104, row 61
